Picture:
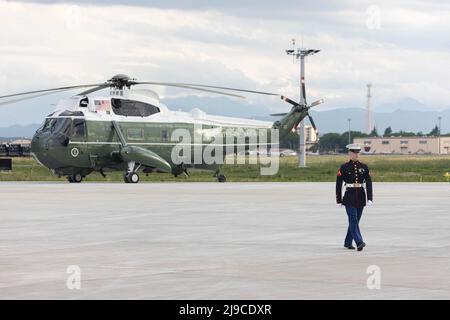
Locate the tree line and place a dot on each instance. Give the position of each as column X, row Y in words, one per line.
column 336, row 142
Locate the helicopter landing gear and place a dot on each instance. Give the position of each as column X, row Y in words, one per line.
column 220, row 177
column 180, row 169
column 75, row 178
column 131, row 175
column 102, row 173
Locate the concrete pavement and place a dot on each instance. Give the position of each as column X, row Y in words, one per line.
column 220, row 241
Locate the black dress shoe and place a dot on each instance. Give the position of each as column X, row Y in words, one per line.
column 361, row 246
column 350, row 247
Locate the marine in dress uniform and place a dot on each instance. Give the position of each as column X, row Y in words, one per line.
column 354, row 175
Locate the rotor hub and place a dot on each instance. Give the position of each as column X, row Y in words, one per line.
column 120, row 81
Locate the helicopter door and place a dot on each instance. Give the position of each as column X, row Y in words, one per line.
column 78, row 138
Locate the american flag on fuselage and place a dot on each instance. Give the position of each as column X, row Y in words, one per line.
column 102, row 105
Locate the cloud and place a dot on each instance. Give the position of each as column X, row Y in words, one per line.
column 233, row 43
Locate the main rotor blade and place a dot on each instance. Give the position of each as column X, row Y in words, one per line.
column 28, row 98
column 50, row 90
column 201, row 86
column 98, row 88
column 185, row 86
column 213, row 87
column 234, row 89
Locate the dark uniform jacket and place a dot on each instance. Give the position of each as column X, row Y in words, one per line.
column 354, row 172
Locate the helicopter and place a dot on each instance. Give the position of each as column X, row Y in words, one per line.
column 129, row 129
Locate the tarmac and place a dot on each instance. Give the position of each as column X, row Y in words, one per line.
column 220, row 241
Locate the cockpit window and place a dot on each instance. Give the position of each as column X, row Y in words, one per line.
column 59, row 125
column 62, row 125
column 131, row 108
column 49, row 122
column 79, row 128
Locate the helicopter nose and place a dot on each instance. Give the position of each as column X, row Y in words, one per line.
column 38, row 147
column 35, row 143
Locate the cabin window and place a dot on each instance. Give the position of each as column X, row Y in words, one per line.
column 385, row 142
column 135, row 134
column 423, row 142
column 131, row 108
column 79, row 128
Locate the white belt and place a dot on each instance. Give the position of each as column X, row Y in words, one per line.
column 354, row 185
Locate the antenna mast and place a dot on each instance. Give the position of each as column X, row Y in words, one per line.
column 300, row 54
column 369, row 119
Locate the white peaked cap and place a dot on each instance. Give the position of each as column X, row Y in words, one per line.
column 353, row 146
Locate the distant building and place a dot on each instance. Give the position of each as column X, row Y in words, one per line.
column 16, row 148
column 21, row 142
column 404, row 145
column 310, row 134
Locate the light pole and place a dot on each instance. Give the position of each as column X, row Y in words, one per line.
column 439, row 135
column 300, row 54
column 349, row 131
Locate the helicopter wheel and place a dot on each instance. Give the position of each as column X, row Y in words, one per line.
column 131, row 177
column 221, row 178
column 75, row 178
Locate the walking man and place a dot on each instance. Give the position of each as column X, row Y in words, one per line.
column 354, row 175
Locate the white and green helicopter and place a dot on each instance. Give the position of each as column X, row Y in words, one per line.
column 130, row 129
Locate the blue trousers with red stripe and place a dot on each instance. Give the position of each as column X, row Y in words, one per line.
column 353, row 232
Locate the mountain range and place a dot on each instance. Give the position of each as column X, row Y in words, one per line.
column 407, row 114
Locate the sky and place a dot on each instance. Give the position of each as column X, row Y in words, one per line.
column 401, row 47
